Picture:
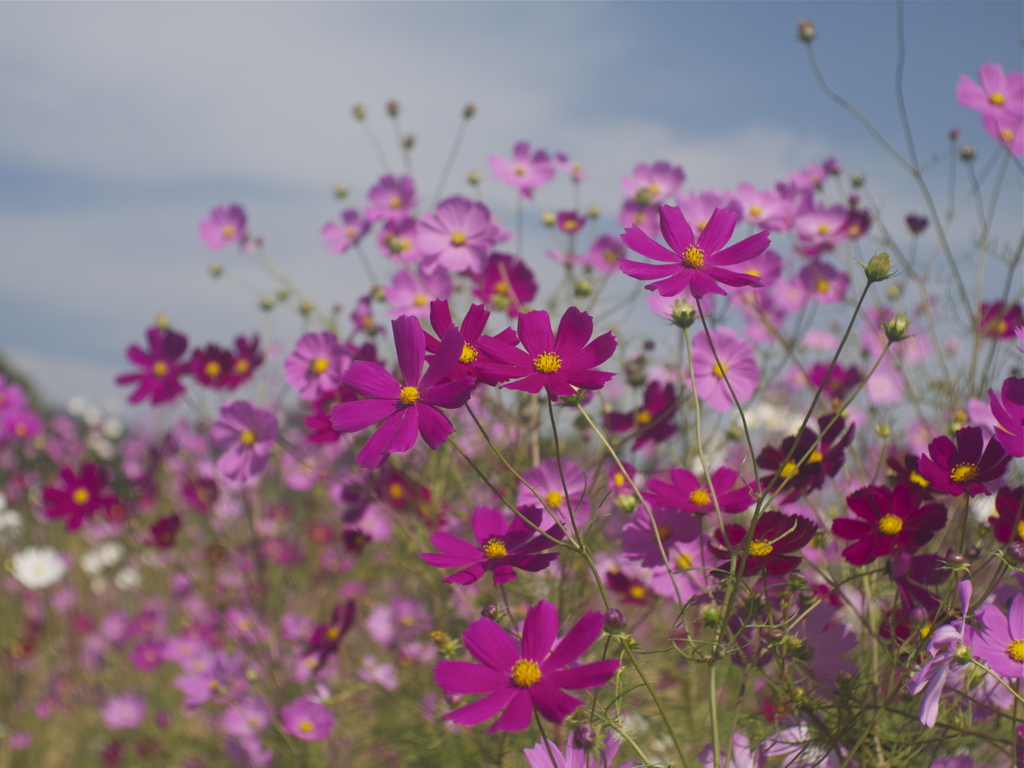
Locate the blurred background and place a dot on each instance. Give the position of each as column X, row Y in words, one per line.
column 122, row 125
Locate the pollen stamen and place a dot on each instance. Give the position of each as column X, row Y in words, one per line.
column 495, row 548
column 247, row 437
column 1015, row 650
column 80, row 496
column 700, row 497
column 890, row 525
column 547, row 362
column 760, row 548
column 408, row 395
column 693, row 257
column 963, row 472
column 525, row 673
column 469, row 354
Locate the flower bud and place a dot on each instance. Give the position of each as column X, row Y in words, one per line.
column 584, row 737
column 392, row 108
column 636, row 376
column 305, row 307
column 377, row 293
column 359, row 112
column 593, row 211
column 627, row 502
column 282, row 295
column 473, row 178
column 468, row 111
column 340, row 191
column 582, row 289
column 967, row 153
column 883, row 430
column 774, row 634
column 267, row 303
column 954, row 134
column 916, row 224
column 453, row 699
column 643, row 196
column 956, row 559
column 683, row 313
column 1015, row 552
column 162, row 321
column 878, row 268
column 614, row 621
column 857, row 179
column 216, row 269
column 548, row 218
column 489, row 611
column 805, row 31
column 896, row 329
column 409, row 142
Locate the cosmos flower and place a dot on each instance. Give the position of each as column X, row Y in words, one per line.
column 684, row 491
column 547, row 480
column 540, row 755
column 998, row 94
column 640, row 539
column 410, row 293
column 307, row 720
column 1008, row 410
column 391, row 198
column 316, row 365
column 520, row 677
column 158, row 379
column 653, row 184
column 326, row 638
column 456, row 237
column 38, row 567
column 501, row 548
column 127, row 710
column 78, row 496
column 506, row 285
column 410, row 406
column 824, row 458
column 997, row 320
column 999, row 641
column 890, row 519
column 652, row 420
column 525, row 171
column 225, row 224
column 944, row 645
column 687, row 263
column 341, row 237
column 776, row 540
column 1008, row 521
column 558, row 363
column 246, row 434
column 962, row 467
column 736, row 361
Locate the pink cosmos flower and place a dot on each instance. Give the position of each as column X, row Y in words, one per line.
column 519, row 678
column 1008, row 130
column 956, row 469
column 997, row 320
column 472, row 329
column 559, row 363
column 764, row 209
column 824, row 283
column 245, row 718
column 457, row 236
column 246, row 434
column 546, row 480
column 697, row 265
column 604, row 254
column 1008, row 409
column 411, row 294
column 397, row 240
column 944, row 646
column 999, row 641
column 158, row 379
column 743, row 755
column 405, row 408
column 699, row 207
column 340, row 237
column 391, row 198
column 540, row 755
column 999, row 94
column 890, row 520
column 225, row 224
column 127, row 710
column 316, row 365
column 501, row 549
column 822, row 229
column 736, row 361
column 525, row 171
column 307, row 720
column 653, row 184
column 640, row 539
column 687, row 493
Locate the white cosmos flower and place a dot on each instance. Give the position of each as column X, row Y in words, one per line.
column 38, row 567
column 10, row 524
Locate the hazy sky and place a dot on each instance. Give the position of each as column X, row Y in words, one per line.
column 122, row 124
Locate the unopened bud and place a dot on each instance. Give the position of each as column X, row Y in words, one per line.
column 883, row 430
column 614, row 621
column 468, row 111
column 636, row 376
column 627, row 502
column 409, row 142
column 548, row 219
column 954, row 134
column 377, row 293
column 878, row 268
column 340, row 191
column 392, row 108
column 490, row 611
column 805, row 31
column 857, row 179
column 916, row 224
column 584, row 737
column 896, row 329
column 359, row 112
column 582, row 289
column 593, row 212
column 473, row 178
column 967, row 153
column 453, row 699
column 267, row 303
column 162, row 321
column 1015, row 552
column 282, row 295
column 774, row 634
column 216, row 269
column 305, row 307
column 955, row 559
column 683, row 313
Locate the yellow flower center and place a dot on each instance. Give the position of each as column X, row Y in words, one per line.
column 160, row 368
column 305, row 726
column 719, row 370
column 554, row 499
column 228, row 232
column 458, row 238
column 700, row 497
column 643, row 416
column 501, row 288
column 610, row 256
column 547, row 362
column 333, row 633
column 693, row 257
column 823, row 229
column 1020, row 530
column 915, row 477
column 420, row 300
column 395, row 201
column 469, row 354
column 760, row 548
column 755, row 210
column 494, row 548
column 684, row 562
column 319, row 365
column 247, row 437
column 996, row 98
column 397, row 490
column 664, row 531
column 1015, row 650
column 212, row 369
column 1006, row 134
column 788, row 468
column 963, row 473
column 408, row 395
column 80, row 496
column 822, row 285
column 520, row 170
column 815, row 457
column 637, row 592
column 890, row 525
column 350, row 232
column 525, row 673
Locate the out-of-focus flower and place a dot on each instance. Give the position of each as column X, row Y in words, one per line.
column 316, row 365
column 158, row 379
column 653, row 184
column 124, row 711
column 890, row 520
column 307, row 720
column 945, row 644
column 38, row 567
column 246, row 434
column 999, row 641
column 79, row 496
column 340, row 237
column 776, row 539
column 1008, row 410
column 391, row 198
column 456, row 237
column 735, row 361
column 225, row 224
column 525, row 171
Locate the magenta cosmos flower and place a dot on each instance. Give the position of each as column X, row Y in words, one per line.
column 407, row 407
column 688, row 263
column 158, row 379
column 775, row 545
column 736, row 360
column 1008, row 409
column 127, row 710
column 653, row 184
column 687, row 493
column 522, row 677
column 890, row 520
column 457, row 236
column 960, row 468
column 78, row 497
column 340, row 237
column 246, row 434
column 391, row 198
column 225, row 224
column 652, row 420
column 307, row 720
column 316, row 365
column 501, row 547
column 1000, row 640
column 1008, row 521
column 525, row 171
column 560, row 363
column 507, row 284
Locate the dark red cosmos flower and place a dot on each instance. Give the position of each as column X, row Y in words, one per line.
column 506, row 284
column 824, row 460
column 247, row 358
column 840, row 382
column 318, row 422
column 1008, row 521
column 559, row 363
column 160, row 369
column 211, row 367
column 327, row 637
column 997, row 320
column 79, row 496
column 164, row 531
column 652, row 420
column 689, row 494
column 906, row 472
column 891, row 519
column 502, row 547
column 776, row 537
column 963, row 468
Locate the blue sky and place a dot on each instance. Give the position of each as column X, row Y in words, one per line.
column 123, row 124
